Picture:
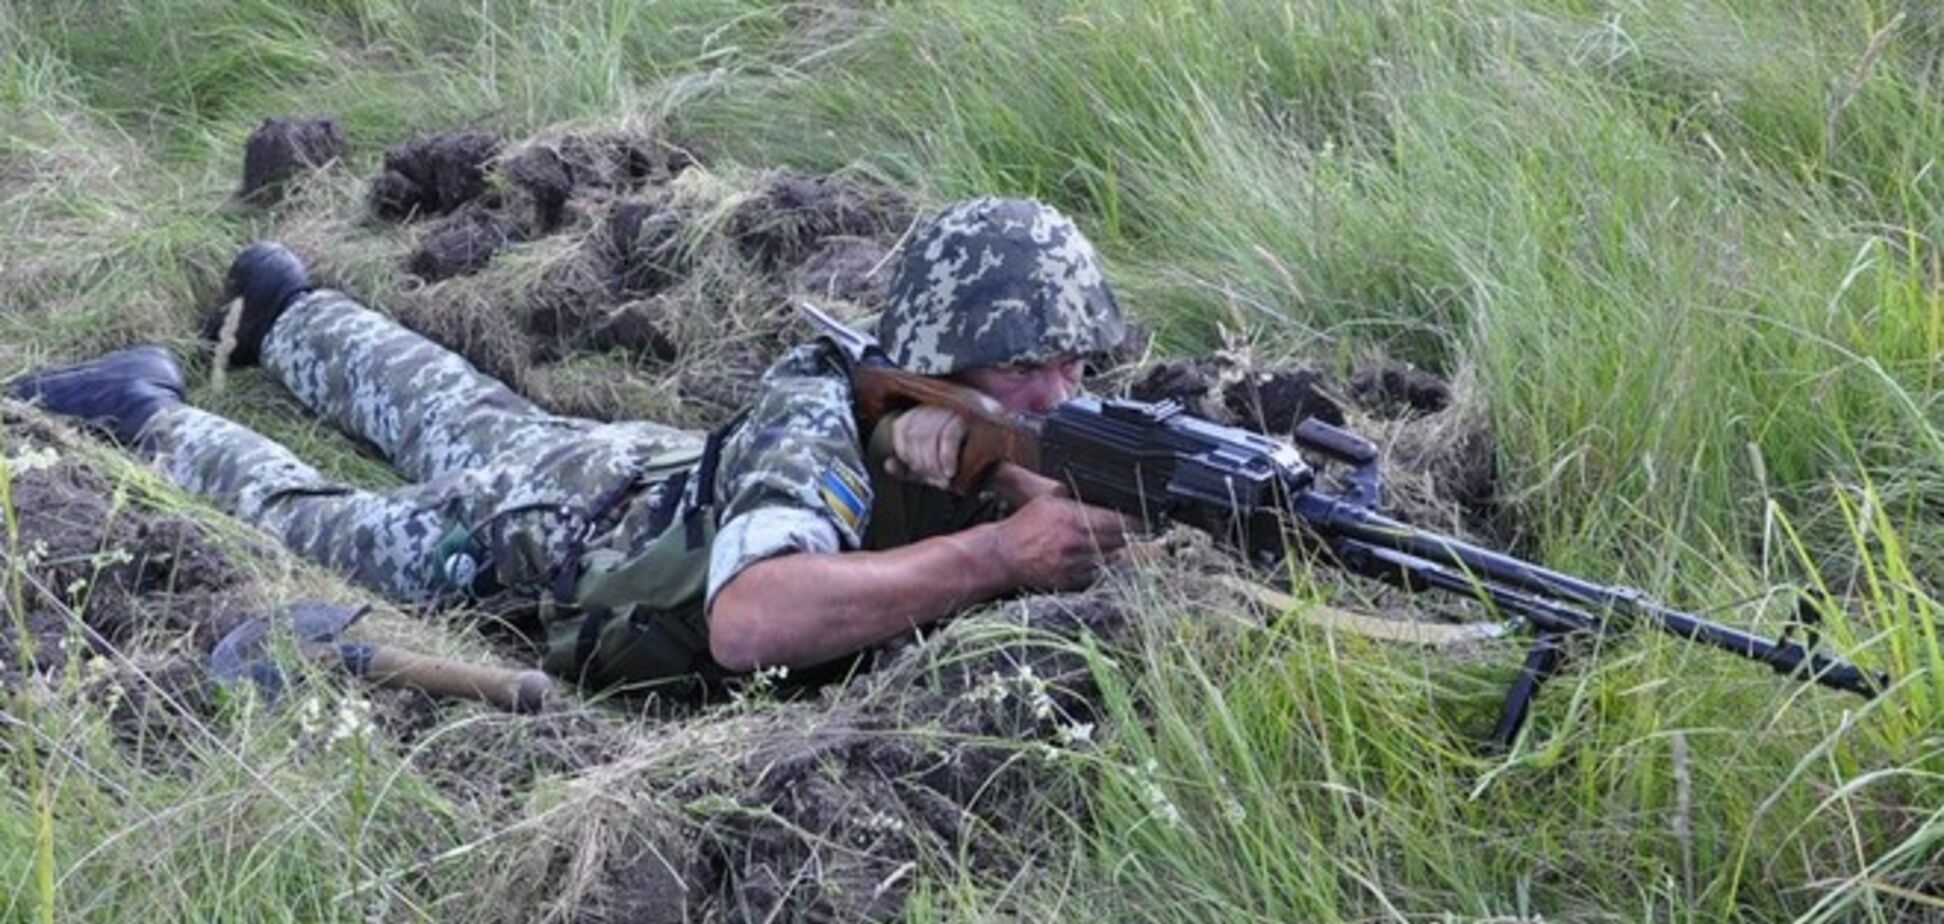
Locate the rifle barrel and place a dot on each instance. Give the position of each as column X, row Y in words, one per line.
column 1555, row 602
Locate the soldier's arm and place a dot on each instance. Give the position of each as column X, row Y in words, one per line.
column 789, row 583
column 806, row 608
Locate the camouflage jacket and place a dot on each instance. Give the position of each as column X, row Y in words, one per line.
column 792, row 474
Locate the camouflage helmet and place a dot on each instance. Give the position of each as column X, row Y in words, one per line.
column 993, row 281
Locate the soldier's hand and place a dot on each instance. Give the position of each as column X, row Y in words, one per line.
column 925, row 444
column 1054, row 543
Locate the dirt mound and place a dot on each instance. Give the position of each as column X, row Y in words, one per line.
column 549, row 175
column 131, row 596
column 1397, row 389
column 795, row 213
column 159, row 705
column 627, row 252
column 280, row 149
column 491, row 201
column 1232, row 391
column 98, row 571
column 853, row 269
column 499, row 756
column 824, row 810
column 462, row 243
column 1439, row 466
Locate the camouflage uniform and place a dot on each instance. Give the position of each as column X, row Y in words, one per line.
column 632, row 520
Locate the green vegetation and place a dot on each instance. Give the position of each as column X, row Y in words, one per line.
column 1691, row 253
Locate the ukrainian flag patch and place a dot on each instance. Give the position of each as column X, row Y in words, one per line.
column 844, row 493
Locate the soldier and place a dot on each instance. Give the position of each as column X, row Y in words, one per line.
column 783, row 538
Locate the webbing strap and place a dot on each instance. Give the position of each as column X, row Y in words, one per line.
column 567, row 570
column 705, row 472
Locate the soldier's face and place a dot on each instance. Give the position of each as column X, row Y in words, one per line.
column 1029, row 388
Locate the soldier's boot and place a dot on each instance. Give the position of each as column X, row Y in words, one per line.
column 268, row 277
column 118, row 392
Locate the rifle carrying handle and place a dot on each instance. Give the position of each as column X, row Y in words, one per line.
column 524, row 691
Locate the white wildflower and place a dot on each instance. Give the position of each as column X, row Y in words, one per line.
column 108, row 558
column 1033, row 690
column 880, row 820
column 759, row 684
column 1042, row 704
column 310, row 716
column 994, row 690
column 1159, row 805
column 33, row 458
column 353, row 719
column 774, row 674
column 1076, row 735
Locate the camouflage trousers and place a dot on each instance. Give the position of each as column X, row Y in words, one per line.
column 487, row 463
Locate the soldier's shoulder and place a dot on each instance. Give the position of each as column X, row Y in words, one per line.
column 817, row 358
column 806, row 391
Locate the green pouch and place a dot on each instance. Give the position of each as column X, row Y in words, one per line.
column 641, row 618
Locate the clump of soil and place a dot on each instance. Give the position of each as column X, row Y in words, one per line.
column 491, row 201
column 852, row 269
column 501, row 755
column 795, row 213
column 1233, row 391
column 154, row 699
column 551, row 174
column 606, row 295
column 280, row 149
column 1276, row 401
column 1438, row 465
column 461, row 244
column 1397, row 389
column 1441, row 465
column 433, row 175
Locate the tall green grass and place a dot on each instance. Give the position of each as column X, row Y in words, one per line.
column 1690, row 248
column 1319, row 777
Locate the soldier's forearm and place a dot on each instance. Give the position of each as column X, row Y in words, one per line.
column 804, row 609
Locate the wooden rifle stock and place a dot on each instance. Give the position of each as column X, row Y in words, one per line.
column 993, row 435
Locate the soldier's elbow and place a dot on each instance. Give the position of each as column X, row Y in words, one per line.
column 735, row 643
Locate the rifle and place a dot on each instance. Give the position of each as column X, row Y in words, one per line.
column 1258, row 495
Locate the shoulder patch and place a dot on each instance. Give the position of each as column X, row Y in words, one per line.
column 843, row 492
